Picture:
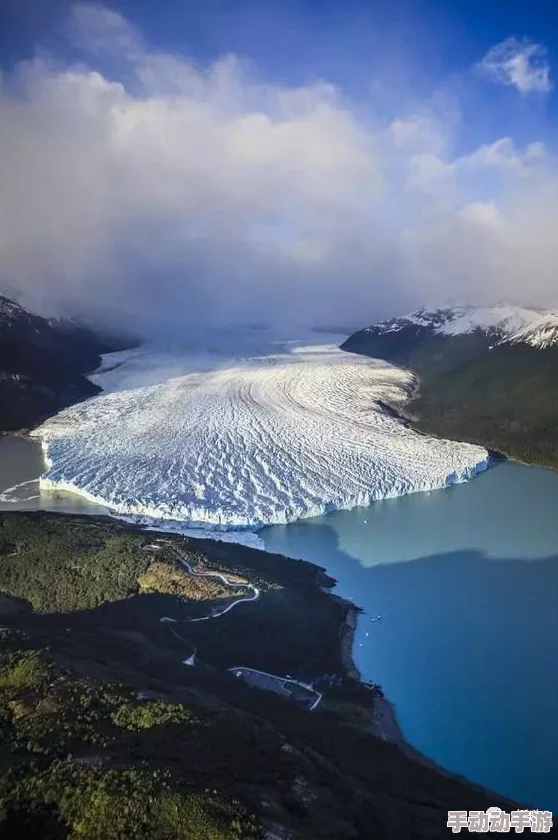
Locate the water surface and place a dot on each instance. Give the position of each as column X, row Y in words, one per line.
column 21, row 464
column 466, row 582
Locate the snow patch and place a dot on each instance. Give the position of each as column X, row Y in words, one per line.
column 543, row 333
column 503, row 319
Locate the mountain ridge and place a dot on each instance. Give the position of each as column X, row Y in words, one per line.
column 503, row 318
column 541, row 333
column 488, row 375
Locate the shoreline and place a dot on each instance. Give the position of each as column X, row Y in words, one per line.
column 346, row 629
column 347, row 632
column 242, row 533
column 383, row 717
column 214, row 733
column 496, row 456
column 381, row 714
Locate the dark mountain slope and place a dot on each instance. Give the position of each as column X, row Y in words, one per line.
column 418, row 348
column 42, row 365
column 505, row 398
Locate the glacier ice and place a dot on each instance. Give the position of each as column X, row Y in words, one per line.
column 214, row 441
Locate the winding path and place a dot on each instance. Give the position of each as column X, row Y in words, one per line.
column 215, row 614
column 280, row 683
column 255, row 591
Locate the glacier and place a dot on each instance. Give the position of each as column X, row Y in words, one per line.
column 193, row 441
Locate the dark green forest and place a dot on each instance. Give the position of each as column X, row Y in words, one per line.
column 104, row 734
column 504, row 397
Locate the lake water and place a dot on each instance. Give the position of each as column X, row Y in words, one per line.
column 466, row 582
column 21, row 463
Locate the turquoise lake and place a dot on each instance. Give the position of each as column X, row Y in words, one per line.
column 466, row 582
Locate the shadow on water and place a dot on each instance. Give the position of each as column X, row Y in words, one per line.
column 466, row 650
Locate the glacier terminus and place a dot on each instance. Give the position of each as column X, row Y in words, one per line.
column 235, row 441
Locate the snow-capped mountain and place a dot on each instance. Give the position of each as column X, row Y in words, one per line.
column 448, row 335
column 14, row 316
column 541, row 333
column 10, row 311
column 29, row 343
column 486, row 374
column 501, row 320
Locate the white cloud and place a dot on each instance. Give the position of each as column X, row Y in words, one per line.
column 503, row 155
column 519, row 63
column 190, row 196
column 483, row 213
column 99, row 30
column 418, row 133
column 430, row 175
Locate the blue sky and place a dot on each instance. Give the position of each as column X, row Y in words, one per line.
column 406, row 145
column 418, row 45
column 272, row 33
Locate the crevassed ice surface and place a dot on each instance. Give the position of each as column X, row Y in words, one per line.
column 240, row 443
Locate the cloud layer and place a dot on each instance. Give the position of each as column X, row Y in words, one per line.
column 521, row 64
column 136, row 184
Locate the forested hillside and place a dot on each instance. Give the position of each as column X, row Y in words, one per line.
column 505, row 398
column 107, row 735
column 482, row 385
